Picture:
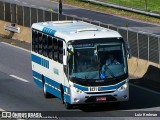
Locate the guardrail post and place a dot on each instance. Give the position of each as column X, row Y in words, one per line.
column 4, row 11
column 58, row 16
column 23, row 15
column 43, row 15
column 138, row 45
column 127, row 34
column 148, row 47
column 37, row 15
column 13, row 13
column 30, row 16
column 159, row 48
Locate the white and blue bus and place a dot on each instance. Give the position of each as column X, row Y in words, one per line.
column 70, row 60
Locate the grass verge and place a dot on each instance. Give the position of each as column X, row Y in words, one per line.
column 149, row 5
column 109, row 10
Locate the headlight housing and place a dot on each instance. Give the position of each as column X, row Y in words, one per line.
column 75, row 89
column 123, row 87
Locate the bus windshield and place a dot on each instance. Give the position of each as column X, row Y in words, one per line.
column 98, row 61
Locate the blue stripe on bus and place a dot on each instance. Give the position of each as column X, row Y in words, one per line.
column 49, row 31
column 36, row 59
column 39, row 83
column 113, row 86
column 40, row 61
column 56, row 90
column 53, row 91
column 81, row 87
column 52, row 82
column 37, row 75
column 67, row 98
column 68, row 89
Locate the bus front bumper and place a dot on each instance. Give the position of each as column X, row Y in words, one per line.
column 119, row 95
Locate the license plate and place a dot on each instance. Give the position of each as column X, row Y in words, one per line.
column 101, row 99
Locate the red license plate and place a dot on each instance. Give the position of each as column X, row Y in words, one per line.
column 101, row 99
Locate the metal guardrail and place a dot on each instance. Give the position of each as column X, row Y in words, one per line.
column 143, row 45
column 136, row 10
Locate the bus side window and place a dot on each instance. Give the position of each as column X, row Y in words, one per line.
column 40, row 36
column 44, row 42
column 60, row 51
column 36, row 42
column 33, row 40
column 50, row 47
column 55, row 44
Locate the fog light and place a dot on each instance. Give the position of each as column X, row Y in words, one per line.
column 125, row 96
column 76, row 100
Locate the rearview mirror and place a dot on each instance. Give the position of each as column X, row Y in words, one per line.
column 70, row 50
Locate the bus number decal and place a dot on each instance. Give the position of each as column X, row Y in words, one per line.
column 93, row 88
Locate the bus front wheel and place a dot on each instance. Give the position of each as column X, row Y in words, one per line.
column 67, row 105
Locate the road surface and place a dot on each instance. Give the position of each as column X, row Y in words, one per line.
column 18, row 92
column 92, row 15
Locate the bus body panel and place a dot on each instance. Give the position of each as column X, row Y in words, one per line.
column 52, row 73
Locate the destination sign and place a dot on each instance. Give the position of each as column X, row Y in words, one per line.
column 84, row 45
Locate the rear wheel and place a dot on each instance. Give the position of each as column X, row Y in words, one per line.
column 46, row 94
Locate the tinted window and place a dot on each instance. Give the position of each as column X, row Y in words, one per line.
column 36, row 42
column 44, row 42
column 33, row 40
column 55, row 44
column 50, row 47
column 40, row 38
column 60, row 51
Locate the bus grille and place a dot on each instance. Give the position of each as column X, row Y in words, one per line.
column 99, row 92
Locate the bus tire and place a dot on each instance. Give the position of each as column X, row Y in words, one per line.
column 46, row 94
column 67, row 105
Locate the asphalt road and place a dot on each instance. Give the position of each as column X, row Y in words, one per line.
column 18, row 92
column 93, row 15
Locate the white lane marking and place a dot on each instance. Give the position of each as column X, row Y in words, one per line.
column 21, row 79
column 15, row 46
column 149, row 90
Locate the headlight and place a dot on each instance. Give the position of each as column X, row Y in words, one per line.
column 74, row 89
column 123, row 87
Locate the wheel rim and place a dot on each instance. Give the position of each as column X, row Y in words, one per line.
column 44, row 89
